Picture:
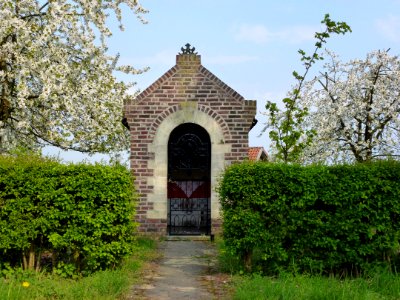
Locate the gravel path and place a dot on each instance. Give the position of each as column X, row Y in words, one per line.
column 180, row 273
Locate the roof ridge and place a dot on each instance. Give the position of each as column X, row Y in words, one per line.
column 152, row 87
column 230, row 91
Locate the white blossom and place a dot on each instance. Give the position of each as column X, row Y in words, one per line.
column 355, row 109
column 56, row 79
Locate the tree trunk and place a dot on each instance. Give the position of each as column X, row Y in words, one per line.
column 24, row 261
column 38, row 262
column 31, row 263
column 247, row 260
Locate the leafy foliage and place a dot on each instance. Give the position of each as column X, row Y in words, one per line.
column 102, row 285
column 71, row 218
column 287, row 132
column 317, row 219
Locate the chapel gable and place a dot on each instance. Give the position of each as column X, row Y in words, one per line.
column 188, row 93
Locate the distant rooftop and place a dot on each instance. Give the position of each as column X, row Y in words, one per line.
column 257, row 153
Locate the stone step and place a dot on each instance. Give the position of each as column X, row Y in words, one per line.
column 189, row 237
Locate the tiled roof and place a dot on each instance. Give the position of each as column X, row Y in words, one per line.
column 255, row 153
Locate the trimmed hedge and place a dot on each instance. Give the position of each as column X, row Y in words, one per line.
column 325, row 219
column 72, row 218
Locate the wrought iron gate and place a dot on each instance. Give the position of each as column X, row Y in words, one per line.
column 189, row 192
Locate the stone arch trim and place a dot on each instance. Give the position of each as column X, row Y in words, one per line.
column 217, row 117
column 188, row 113
column 160, row 118
column 200, row 107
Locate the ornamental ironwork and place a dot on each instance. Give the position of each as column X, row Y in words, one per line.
column 189, row 150
column 188, row 50
column 189, row 190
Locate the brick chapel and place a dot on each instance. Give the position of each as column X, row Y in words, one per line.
column 185, row 129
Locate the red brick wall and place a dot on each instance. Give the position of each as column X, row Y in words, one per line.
column 188, row 80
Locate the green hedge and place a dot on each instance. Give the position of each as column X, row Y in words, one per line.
column 326, row 219
column 69, row 218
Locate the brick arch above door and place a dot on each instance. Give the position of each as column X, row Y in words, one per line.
column 159, row 147
column 192, row 106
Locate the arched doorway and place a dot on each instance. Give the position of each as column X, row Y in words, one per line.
column 189, row 174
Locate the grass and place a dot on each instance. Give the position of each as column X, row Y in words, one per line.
column 103, row 285
column 301, row 287
column 380, row 284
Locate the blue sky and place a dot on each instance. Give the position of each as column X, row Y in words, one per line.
column 250, row 45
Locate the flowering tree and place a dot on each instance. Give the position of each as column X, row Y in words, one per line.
column 355, row 109
column 56, row 79
column 286, row 128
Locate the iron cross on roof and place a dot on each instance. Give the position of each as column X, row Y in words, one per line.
column 188, row 49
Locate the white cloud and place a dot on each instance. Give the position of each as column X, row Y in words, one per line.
column 298, row 34
column 389, row 28
column 260, row 34
column 229, row 59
